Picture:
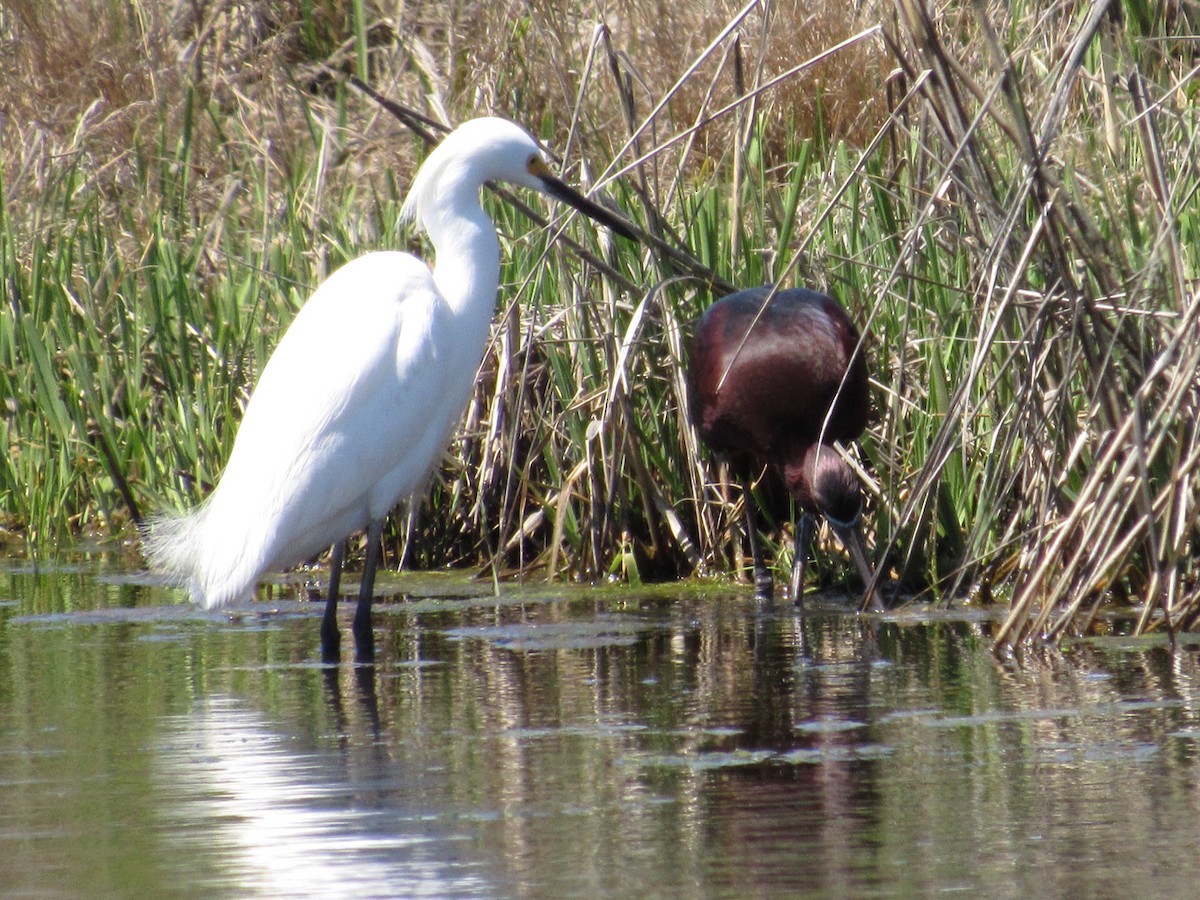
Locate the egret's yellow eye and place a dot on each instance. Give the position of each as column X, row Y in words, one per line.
column 536, row 165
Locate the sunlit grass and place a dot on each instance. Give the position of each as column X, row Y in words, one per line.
column 1016, row 228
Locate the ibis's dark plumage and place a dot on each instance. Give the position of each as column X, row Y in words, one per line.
column 775, row 385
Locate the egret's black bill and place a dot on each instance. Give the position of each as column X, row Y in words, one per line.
column 559, row 189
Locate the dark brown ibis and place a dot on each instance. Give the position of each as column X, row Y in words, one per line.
column 774, row 384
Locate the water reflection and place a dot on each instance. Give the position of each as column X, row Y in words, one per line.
column 275, row 820
column 582, row 744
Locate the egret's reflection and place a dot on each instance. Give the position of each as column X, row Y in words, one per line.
column 287, row 821
column 364, row 691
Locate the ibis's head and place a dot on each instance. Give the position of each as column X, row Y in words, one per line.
column 823, row 484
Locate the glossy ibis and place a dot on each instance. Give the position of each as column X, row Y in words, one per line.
column 773, row 384
column 358, row 401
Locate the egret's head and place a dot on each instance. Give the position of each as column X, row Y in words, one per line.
column 492, row 149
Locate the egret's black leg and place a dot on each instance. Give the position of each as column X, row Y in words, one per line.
column 764, row 587
column 364, row 634
column 804, row 535
column 331, row 638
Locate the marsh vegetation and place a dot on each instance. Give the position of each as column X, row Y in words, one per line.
column 1003, row 194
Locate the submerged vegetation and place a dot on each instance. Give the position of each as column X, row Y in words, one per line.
column 1005, row 195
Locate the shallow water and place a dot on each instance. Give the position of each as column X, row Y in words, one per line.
column 581, row 742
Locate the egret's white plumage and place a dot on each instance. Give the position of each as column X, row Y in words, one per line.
column 360, row 397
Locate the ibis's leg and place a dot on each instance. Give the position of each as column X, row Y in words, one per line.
column 764, row 588
column 331, row 639
column 364, row 635
column 804, row 535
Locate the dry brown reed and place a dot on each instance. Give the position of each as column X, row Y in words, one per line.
column 1064, row 160
column 1006, row 194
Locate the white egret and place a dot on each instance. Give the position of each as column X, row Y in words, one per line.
column 361, row 396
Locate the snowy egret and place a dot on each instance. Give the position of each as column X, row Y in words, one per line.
column 770, row 385
column 361, row 396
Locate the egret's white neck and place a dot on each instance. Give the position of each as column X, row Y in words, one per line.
column 467, row 251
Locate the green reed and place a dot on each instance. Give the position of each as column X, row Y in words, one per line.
column 1017, row 232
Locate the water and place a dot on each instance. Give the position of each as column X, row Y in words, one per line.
column 577, row 743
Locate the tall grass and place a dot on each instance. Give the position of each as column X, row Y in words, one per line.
column 1004, row 196
column 1065, row 443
